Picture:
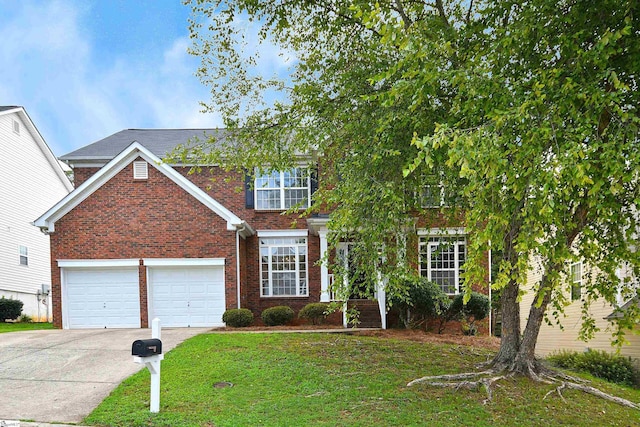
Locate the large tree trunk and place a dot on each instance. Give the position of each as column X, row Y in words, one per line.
column 510, row 337
column 525, row 362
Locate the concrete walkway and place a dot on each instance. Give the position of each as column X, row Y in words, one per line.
column 60, row 376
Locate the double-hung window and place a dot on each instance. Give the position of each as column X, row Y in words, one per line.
column 575, row 276
column 442, row 261
column 24, row 255
column 283, row 267
column 283, row 190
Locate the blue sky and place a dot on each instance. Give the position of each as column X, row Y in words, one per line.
column 84, row 69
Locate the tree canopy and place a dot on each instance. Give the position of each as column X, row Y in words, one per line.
column 526, row 113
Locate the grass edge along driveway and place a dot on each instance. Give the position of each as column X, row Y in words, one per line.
column 329, row 379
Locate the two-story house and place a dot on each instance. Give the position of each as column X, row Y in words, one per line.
column 31, row 180
column 140, row 238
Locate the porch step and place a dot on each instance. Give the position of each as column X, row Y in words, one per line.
column 369, row 313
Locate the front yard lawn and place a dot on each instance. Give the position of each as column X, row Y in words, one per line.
column 340, row 380
column 14, row 327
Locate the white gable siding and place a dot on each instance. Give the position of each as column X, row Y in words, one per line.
column 552, row 338
column 28, row 187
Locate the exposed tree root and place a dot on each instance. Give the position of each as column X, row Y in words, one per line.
column 539, row 373
column 594, row 391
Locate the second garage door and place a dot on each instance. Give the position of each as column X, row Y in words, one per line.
column 187, row 296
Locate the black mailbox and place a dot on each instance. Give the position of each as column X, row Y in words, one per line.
column 146, row 348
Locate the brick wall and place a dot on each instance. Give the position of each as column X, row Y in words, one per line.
column 153, row 218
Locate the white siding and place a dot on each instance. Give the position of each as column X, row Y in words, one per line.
column 553, row 338
column 28, row 187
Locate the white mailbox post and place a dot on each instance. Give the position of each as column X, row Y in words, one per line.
column 152, row 363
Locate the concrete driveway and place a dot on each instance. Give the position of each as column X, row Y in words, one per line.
column 62, row 375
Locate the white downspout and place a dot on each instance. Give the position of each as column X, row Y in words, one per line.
column 238, row 264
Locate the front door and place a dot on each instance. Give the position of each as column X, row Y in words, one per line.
column 356, row 280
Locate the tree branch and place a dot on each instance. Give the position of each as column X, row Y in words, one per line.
column 400, row 9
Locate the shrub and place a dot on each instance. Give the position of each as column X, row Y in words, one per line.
column 315, row 311
column 424, row 300
column 477, row 308
column 278, row 315
column 10, row 309
column 25, row 318
column 616, row 369
column 238, row 317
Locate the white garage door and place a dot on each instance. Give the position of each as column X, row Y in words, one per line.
column 187, row 296
column 101, row 298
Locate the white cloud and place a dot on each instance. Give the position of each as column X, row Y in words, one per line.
column 54, row 74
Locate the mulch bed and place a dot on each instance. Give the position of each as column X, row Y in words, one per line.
column 484, row 341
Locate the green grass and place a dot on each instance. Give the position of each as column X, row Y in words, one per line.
column 15, row 327
column 340, row 380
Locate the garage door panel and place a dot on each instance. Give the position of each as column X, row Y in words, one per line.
column 102, row 297
column 187, row 296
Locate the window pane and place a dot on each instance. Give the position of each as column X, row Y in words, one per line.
column 295, row 197
column 267, row 199
column 270, row 180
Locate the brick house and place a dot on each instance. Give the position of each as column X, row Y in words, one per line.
column 139, row 239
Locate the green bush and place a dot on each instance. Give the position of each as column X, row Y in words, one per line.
column 424, row 300
column 10, row 309
column 315, row 311
column 278, row 315
column 477, row 308
column 25, row 318
column 616, row 369
column 238, row 317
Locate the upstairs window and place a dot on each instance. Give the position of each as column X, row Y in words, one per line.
column 24, row 255
column 282, row 190
column 16, row 127
column 442, row 261
column 575, row 275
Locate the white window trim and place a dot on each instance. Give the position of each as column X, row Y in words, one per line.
column 16, row 127
column 275, row 235
column 445, row 233
column 435, row 232
column 282, row 233
column 282, row 189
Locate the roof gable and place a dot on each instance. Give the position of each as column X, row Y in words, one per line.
column 40, row 142
column 47, row 221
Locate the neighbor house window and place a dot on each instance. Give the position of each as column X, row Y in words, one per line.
column 442, row 260
column 575, row 274
column 16, row 127
column 24, row 255
column 283, row 190
column 283, row 267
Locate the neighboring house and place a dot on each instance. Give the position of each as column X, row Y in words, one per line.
column 31, row 180
column 553, row 337
column 140, row 239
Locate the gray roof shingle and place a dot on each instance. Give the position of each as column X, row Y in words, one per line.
column 8, row 107
column 158, row 141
